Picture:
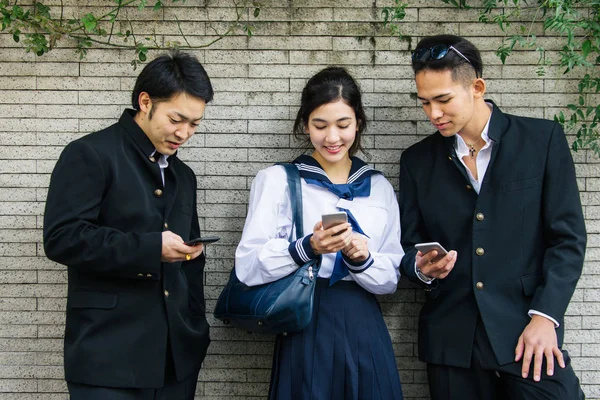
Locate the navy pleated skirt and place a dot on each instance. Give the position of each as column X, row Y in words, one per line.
column 345, row 353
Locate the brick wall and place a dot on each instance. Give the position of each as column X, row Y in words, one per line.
column 47, row 102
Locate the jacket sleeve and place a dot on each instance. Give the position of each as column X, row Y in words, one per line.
column 194, row 269
column 73, row 235
column 412, row 225
column 564, row 231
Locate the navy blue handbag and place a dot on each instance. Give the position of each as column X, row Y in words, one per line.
column 282, row 306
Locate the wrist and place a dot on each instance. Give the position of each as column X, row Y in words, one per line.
column 541, row 319
column 425, row 278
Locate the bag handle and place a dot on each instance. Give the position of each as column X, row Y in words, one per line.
column 294, row 183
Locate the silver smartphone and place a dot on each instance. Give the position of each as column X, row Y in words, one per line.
column 334, row 219
column 425, row 248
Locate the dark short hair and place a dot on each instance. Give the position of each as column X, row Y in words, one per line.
column 328, row 86
column 171, row 74
column 460, row 68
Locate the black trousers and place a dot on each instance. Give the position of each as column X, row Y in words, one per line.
column 171, row 390
column 487, row 380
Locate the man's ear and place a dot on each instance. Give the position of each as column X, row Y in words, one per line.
column 145, row 102
column 478, row 88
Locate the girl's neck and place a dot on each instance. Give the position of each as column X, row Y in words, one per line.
column 337, row 172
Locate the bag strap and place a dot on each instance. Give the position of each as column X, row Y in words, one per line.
column 294, row 183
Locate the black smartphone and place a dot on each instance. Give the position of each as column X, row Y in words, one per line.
column 205, row 239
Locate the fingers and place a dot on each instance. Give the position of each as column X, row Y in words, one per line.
column 527, row 356
column 358, row 249
column 331, row 240
column 424, row 260
column 537, row 363
column 192, row 252
column 559, row 357
column 549, row 362
column 438, row 269
column 174, row 249
column 519, row 349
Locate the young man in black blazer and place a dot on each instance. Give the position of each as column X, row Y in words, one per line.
column 499, row 192
column 120, row 206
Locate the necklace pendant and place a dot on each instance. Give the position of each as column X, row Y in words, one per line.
column 472, row 152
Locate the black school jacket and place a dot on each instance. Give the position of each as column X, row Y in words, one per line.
column 520, row 242
column 105, row 212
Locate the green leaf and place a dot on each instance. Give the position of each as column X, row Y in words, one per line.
column 89, row 22
column 42, row 10
column 256, row 12
column 16, row 36
column 386, row 16
column 157, row 6
column 586, row 47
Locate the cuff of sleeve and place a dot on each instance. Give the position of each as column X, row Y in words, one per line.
column 361, row 266
column 422, row 277
column 301, row 250
column 534, row 312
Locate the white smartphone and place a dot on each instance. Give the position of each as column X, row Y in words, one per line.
column 425, row 248
column 334, row 219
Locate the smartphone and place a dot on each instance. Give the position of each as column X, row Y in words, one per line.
column 205, row 239
column 334, row 219
column 425, row 248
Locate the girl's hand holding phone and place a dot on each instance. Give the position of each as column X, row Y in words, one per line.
column 330, row 240
column 358, row 249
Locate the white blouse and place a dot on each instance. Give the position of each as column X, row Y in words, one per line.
column 262, row 255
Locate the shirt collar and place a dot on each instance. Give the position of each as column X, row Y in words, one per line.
column 461, row 147
column 311, row 169
column 163, row 161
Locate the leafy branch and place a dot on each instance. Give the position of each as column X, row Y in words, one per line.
column 392, row 16
column 39, row 32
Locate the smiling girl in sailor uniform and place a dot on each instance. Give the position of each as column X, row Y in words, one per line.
column 346, row 351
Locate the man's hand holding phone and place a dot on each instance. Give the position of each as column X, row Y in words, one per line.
column 434, row 261
column 174, row 249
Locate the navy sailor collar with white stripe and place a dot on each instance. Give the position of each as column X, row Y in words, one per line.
column 359, row 179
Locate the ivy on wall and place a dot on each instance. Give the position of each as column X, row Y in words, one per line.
column 576, row 23
column 39, row 28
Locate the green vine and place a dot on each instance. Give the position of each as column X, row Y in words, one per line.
column 39, row 32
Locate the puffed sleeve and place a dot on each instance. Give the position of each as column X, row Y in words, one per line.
column 265, row 253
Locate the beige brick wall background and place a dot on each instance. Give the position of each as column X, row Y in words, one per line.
column 46, row 102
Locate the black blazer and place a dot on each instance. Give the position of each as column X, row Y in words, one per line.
column 523, row 237
column 104, row 215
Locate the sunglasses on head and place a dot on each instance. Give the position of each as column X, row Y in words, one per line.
column 437, row 52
